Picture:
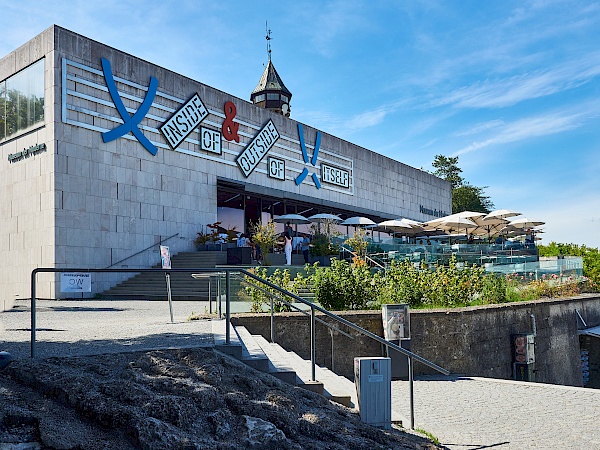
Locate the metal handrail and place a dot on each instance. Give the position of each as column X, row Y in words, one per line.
column 367, row 257
column 313, row 308
column 142, row 251
column 291, row 305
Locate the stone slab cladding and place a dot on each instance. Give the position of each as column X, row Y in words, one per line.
column 109, row 184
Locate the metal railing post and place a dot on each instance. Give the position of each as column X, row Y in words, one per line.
column 411, row 392
column 227, row 309
column 312, row 344
column 272, row 322
column 33, row 317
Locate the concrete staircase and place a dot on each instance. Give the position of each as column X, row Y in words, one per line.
column 152, row 286
column 268, row 357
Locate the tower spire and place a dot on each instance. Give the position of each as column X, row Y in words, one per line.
column 268, row 38
column 271, row 93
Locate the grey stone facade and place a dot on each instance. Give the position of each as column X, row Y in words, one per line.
column 84, row 202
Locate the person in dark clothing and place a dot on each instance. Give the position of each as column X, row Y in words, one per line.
column 305, row 247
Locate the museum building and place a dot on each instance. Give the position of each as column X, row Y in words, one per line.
column 104, row 155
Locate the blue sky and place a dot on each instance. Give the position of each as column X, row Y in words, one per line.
column 511, row 87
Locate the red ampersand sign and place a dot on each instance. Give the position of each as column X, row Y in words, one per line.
column 229, row 127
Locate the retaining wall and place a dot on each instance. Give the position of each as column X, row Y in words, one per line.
column 474, row 341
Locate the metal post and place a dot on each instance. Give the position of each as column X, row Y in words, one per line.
column 209, row 295
column 411, row 392
column 272, row 322
column 332, row 359
column 312, row 344
column 168, row 277
column 227, row 309
column 33, row 318
column 219, row 292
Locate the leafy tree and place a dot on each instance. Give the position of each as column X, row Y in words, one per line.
column 265, row 236
column 446, row 167
column 470, row 198
column 465, row 196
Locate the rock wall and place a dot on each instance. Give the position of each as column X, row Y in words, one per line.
column 474, row 341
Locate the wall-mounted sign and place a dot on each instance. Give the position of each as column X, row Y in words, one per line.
column 210, row 140
column 276, row 168
column 313, row 161
column 229, row 127
column 258, row 147
column 75, row 282
column 335, row 175
column 130, row 123
column 27, row 152
column 432, row 212
column 183, row 122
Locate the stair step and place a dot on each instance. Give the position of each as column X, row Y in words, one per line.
column 252, row 353
column 277, row 365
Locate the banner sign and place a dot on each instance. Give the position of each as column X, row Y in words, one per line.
column 75, row 282
column 165, row 257
column 184, row 121
column 258, row 147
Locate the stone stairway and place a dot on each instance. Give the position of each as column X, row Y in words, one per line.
column 152, row 286
column 269, row 357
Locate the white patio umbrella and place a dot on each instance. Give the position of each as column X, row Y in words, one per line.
column 294, row 219
column 397, row 226
column 455, row 223
column 324, row 217
column 358, row 221
column 502, row 214
column 524, row 222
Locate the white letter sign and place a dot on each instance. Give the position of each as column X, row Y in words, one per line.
column 75, row 282
column 183, row 122
column 257, row 148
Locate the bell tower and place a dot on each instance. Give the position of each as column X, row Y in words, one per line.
column 270, row 92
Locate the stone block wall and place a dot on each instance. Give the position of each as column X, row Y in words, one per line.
column 474, row 341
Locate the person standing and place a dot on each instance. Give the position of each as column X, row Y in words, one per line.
column 305, row 247
column 288, row 250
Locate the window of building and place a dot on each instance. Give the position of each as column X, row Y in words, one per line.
column 22, row 100
column 284, row 99
column 272, row 96
column 259, row 98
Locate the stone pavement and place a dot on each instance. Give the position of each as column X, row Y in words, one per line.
column 463, row 413
column 468, row 413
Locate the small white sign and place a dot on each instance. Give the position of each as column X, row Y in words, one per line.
column 184, row 121
column 75, row 282
column 335, row 175
column 258, row 147
column 375, row 378
column 276, row 168
column 210, row 140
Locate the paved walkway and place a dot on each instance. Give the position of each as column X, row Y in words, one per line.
column 463, row 413
column 483, row 413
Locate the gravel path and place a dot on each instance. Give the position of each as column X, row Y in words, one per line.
column 102, row 327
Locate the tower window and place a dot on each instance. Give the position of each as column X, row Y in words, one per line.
column 284, row 99
column 259, row 98
column 272, row 96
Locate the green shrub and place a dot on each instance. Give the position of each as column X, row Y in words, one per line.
column 346, row 286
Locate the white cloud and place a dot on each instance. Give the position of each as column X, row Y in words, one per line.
column 516, row 89
column 531, row 127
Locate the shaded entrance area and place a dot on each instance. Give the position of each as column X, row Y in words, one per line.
column 241, row 205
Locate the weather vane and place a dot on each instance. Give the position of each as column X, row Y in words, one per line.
column 268, row 38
